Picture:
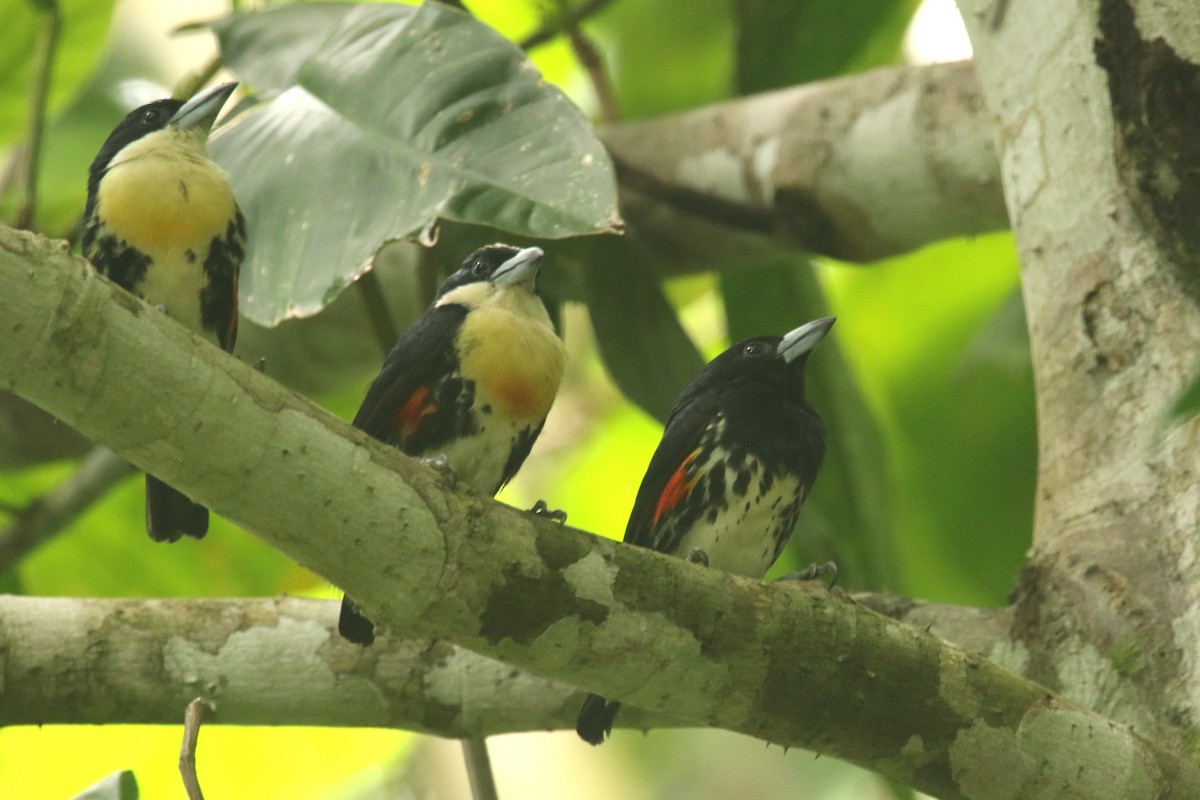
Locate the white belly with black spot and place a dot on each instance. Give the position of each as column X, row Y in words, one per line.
column 175, row 284
column 479, row 460
column 165, row 198
column 742, row 538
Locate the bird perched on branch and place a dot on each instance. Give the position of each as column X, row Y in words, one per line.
column 739, row 455
column 470, row 383
column 161, row 222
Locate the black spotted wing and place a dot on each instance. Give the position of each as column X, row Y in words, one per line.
column 672, row 472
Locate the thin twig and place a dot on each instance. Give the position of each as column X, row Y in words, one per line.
column 192, row 718
column 593, row 63
column 98, row 473
column 479, row 769
column 570, row 18
column 43, row 70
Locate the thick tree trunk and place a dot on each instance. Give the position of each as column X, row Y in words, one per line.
column 1095, row 104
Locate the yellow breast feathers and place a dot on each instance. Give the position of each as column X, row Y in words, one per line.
column 162, row 192
column 507, row 345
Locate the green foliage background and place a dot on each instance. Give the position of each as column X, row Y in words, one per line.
column 928, row 391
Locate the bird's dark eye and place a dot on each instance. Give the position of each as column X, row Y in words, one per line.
column 479, row 269
column 752, row 349
column 150, row 116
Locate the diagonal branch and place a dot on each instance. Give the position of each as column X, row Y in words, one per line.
column 792, row 665
column 859, row 168
column 44, row 58
column 570, row 18
column 98, row 473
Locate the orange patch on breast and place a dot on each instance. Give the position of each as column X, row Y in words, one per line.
column 515, row 360
column 521, row 399
column 676, row 489
column 409, row 416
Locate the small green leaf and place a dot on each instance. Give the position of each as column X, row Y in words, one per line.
column 1188, row 403
column 400, row 117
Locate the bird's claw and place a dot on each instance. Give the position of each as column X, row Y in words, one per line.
column 813, row 572
column 442, row 466
column 540, row 509
column 697, row 556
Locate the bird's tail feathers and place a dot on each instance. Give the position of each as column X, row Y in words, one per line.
column 170, row 514
column 596, row 718
column 353, row 626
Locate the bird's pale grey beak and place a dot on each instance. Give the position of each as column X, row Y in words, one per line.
column 805, row 338
column 201, row 111
column 520, row 268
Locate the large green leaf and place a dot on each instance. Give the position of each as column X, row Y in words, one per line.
column 646, row 350
column 847, row 517
column 399, row 117
column 268, row 48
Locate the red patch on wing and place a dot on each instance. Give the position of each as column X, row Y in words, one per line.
column 409, row 416
column 676, row 489
column 230, row 336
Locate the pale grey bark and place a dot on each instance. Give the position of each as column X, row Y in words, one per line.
column 1094, row 103
column 280, row 661
column 858, row 168
column 792, row 664
column 270, row 661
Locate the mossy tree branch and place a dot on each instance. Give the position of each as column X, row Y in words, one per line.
column 793, row 665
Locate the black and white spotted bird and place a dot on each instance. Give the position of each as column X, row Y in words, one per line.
column 739, row 455
column 161, row 222
column 470, row 382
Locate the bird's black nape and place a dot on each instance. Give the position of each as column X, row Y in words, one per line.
column 479, row 266
column 776, row 359
column 137, row 123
